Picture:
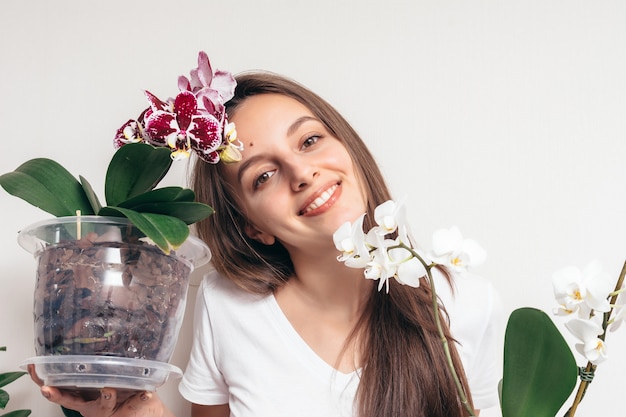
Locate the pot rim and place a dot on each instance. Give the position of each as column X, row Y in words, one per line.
column 194, row 251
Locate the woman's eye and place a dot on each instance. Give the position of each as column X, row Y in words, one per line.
column 310, row 141
column 263, row 178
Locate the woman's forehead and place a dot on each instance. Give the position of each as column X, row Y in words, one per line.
column 262, row 106
column 268, row 117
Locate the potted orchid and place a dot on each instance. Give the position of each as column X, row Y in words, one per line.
column 112, row 278
column 540, row 371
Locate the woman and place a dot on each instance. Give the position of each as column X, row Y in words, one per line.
column 282, row 327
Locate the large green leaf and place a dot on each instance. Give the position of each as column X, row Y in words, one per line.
column 91, row 194
column 165, row 194
column 46, row 184
column 188, row 212
column 8, row 377
column 165, row 231
column 539, row 369
column 135, row 169
column 171, row 201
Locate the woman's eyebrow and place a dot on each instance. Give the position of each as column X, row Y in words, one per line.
column 245, row 165
column 299, row 121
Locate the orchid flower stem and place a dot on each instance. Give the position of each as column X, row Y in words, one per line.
column 582, row 389
column 584, row 384
column 444, row 339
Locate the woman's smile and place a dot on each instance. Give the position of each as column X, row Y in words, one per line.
column 322, row 201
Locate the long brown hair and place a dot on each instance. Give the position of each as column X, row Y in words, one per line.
column 404, row 370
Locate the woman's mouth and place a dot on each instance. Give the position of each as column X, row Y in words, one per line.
column 320, row 200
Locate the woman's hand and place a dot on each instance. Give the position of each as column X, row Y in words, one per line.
column 109, row 403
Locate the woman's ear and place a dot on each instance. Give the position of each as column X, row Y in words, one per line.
column 253, row 233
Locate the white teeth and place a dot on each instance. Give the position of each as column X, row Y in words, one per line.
column 321, row 199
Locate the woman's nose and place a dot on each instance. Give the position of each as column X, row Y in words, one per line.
column 303, row 174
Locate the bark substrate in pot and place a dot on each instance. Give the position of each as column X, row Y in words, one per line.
column 108, row 305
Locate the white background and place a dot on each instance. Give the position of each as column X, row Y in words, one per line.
column 507, row 119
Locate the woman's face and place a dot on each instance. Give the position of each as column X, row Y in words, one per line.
column 296, row 182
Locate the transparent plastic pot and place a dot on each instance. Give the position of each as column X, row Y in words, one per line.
column 108, row 305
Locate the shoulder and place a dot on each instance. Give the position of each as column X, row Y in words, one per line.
column 214, row 285
column 220, row 296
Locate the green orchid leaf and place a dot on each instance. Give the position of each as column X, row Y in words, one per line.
column 46, row 184
column 4, row 398
column 135, row 169
column 165, row 194
column 186, row 194
column 8, row 377
column 188, row 212
column 17, row 413
column 165, row 231
column 540, row 371
column 91, row 195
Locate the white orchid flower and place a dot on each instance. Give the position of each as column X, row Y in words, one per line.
column 383, row 258
column 349, row 239
column 587, row 331
column 381, row 266
column 452, row 250
column 410, row 272
column 391, row 216
column 391, row 261
column 582, row 291
column 386, row 216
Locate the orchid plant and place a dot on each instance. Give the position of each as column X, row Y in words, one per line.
column 539, row 372
column 193, row 121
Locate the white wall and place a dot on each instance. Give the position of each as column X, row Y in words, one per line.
column 504, row 118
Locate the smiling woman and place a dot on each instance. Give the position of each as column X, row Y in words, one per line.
column 303, row 173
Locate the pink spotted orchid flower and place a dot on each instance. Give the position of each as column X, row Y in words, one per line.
column 193, row 121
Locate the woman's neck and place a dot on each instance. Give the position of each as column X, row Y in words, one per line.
column 325, row 282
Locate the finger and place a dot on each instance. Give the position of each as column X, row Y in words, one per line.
column 60, row 397
column 144, row 403
column 32, row 371
column 108, row 399
column 104, row 405
column 140, row 397
column 137, row 400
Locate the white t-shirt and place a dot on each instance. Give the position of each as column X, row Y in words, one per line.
column 246, row 353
